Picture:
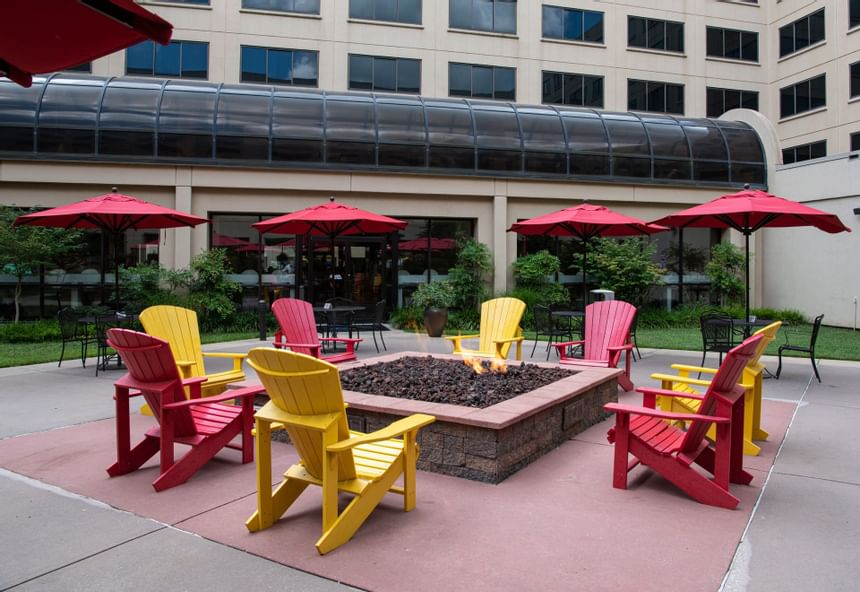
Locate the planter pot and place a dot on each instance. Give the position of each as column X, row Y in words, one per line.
column 434, row 320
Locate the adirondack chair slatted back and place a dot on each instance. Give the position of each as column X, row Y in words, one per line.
column 303, row 385
column 768, row 334
column 177, row 326
column 725, row 382
column 500, row 319
column 296, row 320
column 607, row 324
column 149, row 360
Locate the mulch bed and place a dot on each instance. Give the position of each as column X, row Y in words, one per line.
column 448, row 381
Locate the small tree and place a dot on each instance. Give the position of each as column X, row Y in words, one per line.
column 624, row 266
column 725, row 269
column 151, row 284
column 212, row 291
column 24, row 248
column 533, row 273
column 467, row 277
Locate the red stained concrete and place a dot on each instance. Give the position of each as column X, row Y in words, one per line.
column 557, row 524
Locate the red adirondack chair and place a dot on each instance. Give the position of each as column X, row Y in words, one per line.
column 647, row 434
column 205, row 424
column 607, row 335
column 298, row 331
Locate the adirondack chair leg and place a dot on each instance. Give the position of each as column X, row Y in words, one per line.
column 358, row 510
column 329, row 477
column 247, row 418
column 410, row 455
column 625, row 383
column 133, row 459
column 262, row 518
column 622, row 446
column 757, row 432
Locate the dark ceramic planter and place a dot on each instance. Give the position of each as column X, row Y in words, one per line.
column 434, row 320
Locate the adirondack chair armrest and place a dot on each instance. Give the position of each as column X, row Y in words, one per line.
column 349, row 341
column 562, row 348
column 456, row 339
column 680, row 379
column 687, row 368
column 185, row 367
column 247, row 391
column 659, row 413
column 398, row 428
column 620, row 348
column 312, row 346
column 237, row 358
column 508, row 340
column 668, row 393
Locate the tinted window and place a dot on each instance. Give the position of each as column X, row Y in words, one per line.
column 384, row 74
column 655, row 34
column 855, row 79
column 803, row 96
column 801, row 33
column 398, row 11
column 572, row 24
column 127, row 118
column 279, row 66
column 487, row 82
column 572, row 89
column 300, row 6
column 804, row 152
column 67, row 118
column 657, row 97
column 186, row 121
column 18, row 115
column 853, row 21
column 178, row 59
column 720, row 100
column 499, row 16
column 732, row 44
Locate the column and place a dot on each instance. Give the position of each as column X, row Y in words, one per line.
column 500, row 243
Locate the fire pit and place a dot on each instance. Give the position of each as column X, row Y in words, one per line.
column 484, row 444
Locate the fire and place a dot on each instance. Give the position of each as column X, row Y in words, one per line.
column 497, row 366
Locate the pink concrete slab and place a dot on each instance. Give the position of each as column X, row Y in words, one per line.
column 557, row 524
column 75, row 458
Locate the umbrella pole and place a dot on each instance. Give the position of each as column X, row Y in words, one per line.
column 584, row 274
column 116, row 269
column 747, row 274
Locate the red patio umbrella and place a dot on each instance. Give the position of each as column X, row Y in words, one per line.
column 223, row 240
column 50, row 35
column 748, row 210
column 113, row 213
column 331, row 219
column 585, row 221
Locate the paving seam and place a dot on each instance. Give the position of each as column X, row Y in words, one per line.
column 71, row 425
column 855, row 484
column 738, row 559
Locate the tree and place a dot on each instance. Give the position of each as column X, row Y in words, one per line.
column 212, row 291
column 474, row 262
column 24, row 248
column 625, row 266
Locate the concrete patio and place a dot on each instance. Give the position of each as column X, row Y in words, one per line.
column 556, row 525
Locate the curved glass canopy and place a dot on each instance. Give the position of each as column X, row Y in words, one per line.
column 74, row 117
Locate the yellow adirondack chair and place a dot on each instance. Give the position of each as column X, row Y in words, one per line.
column 306, row 399
column 178, row 327
column 500, row 327
column 751, row 380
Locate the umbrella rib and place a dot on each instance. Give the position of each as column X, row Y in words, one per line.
column 766, row 219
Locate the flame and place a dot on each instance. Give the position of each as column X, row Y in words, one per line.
column 499, row 366
column 474, row 364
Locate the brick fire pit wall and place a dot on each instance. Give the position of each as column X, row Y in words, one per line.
column 491, row 444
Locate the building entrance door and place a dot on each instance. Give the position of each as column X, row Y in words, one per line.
column 358, row 268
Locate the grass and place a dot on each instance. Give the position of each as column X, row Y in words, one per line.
column 833, row 344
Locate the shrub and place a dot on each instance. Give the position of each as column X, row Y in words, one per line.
column 212, row 291
column 30, row 332
column 474, row 263
column 725, row 269
column 534, row 285
column 624, row 266
column 408, row 318
column 437, row 294
column 151, row 285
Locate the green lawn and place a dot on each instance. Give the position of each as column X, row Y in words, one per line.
column 837, row 344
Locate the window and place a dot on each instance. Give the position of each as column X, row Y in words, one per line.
column 279, row 66
column 572, row 89
column 384, row 74
column 657, row 97
column 804, row 152
column 179, row 59
column 855, row 141
column 482, row 82
column 572, row 25
column 801, row 33
column 201, row 2
column 86, row 67
column 720, row 100
column 803, row 96
column 853, row 14
column 395, row 11
column 655, row 34
column 498, row 16
column 732, row 45
column 855, row 79
column 300, row 6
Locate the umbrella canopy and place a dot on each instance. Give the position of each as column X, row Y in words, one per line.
column 422, row 244
column 331, row 219
column 113, row 213
column 585, row 221
column 223, row 240
column 38, row 37
column 748, row 210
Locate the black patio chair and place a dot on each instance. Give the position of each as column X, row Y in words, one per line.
column 372, row 321
column 806, row 349
column 340, row 322
column 635, row 351
column 717, row 334
column 104, row 353
column 72, row 330
column 546, row 325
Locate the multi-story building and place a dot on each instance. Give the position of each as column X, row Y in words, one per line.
column 420, row 109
